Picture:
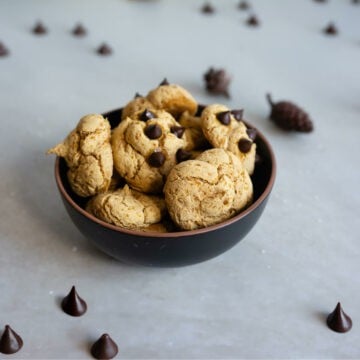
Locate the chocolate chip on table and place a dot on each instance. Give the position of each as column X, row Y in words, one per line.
column 153, row 131
column 355, row 2
column 237, row 114
column 182, row 155
column 156, row 159
column 73, row 304
column 79, row 30
column 338, row 320
column 3, row 50
column 253, row 21
column 217, row 82
column 104, row 348
column 289, row 116
column 207, row 8
column 39, row 28
column 164, row 82
column 147, row 115
column 331, row 29
column 243, row 5
column 104, row 49
column 320, row 1
column 252, row 133
column 10, row 341
column 178, row 131
column 224, row 117
column 244, row 145
column 200, row 109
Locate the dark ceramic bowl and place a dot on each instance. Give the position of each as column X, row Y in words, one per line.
column 173, row 248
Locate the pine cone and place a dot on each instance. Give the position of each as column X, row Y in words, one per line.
column 289, row 116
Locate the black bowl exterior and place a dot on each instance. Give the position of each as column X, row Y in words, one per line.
column 176, row 248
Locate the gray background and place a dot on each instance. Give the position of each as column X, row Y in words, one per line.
column 265, row 298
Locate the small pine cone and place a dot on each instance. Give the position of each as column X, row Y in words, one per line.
column 289, row 116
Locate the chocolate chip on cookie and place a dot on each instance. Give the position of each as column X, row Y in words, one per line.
column 182, row 155
column 237, row 114
column 244, row 145
column 200, row 109
column 252, row 133
column 137, row 95
column 224, row 117
column 164, row 82
column 147, row 115
column 178, row 131
column 156, row 159
column 153, row 131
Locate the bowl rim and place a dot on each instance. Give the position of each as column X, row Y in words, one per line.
column 175, row 234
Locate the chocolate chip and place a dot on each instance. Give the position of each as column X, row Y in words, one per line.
column 252, row 133
column 331, row 29
column 164, row 82
column 207, row 9
column 104, row 348
column 73, row 304
column 39, row 29
column 320, row 1
column 253, row 21
column 153, row 131
column 137, row 95
column 243, row 5
column 147, row 115
column 200, row 109
column 10, row 341
column 79, row 30
column 244, row 145
column 178, row 131
column 182, row 155
column 156, row 159
column 104, row 49
column 356, row 2
column 338, row 320
column 3, row 50
column 217, row 82
column 224, row 117
column 237, row 114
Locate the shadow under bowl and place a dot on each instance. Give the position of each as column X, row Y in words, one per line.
column 170, row 249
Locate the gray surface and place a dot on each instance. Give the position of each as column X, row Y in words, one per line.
column 265, row 298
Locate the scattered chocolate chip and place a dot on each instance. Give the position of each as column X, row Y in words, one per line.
column 224, row 117
column 39, row 29
column 244, row 145
column 104, row 348
column 147, row 115
column 10, row 341
column 73, row 304
column 331, row 29
column 289, row 116
column 182, row 155
column 356, row 2
column 153, row 131
column 253, row 21
column 243, row 5
column 320, row 1
column 217, row 82
column 104, row 49
column 137, row 95
column 178, row 131
column 252, row 133
column 156, row 159
column 237, row 114
column 207, row 8
column 3, row 50
column 164, row 82
column 79, row 30
column 338, row 320
column 200, row 109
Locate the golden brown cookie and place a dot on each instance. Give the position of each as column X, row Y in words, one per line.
column 138, row 105
column 145, row 151
column 208, row 190
column 88, row 154
column 223, row 130
column 127, row 208
column 173, row 99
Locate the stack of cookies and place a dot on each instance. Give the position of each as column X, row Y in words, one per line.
column 168, row 158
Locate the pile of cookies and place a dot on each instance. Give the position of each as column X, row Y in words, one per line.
column 168, row 158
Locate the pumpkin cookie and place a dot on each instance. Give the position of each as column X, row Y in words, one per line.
column 224, row 129
column 208, row 190
column 88, row 154
column 127, row 208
